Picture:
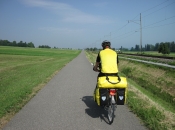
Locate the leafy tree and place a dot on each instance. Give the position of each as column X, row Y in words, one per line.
column 156, row 47
column 24, row 44
column 14, row 43
column 137, row 48
column 44, row 46
column 94, row 49
column 163, row 48
column 1, row 42
column 132, row 48
column 172, row 47
column 21, row 44
column 30, row 44
column 6, row 43
column 148, row 47
column 121, row 49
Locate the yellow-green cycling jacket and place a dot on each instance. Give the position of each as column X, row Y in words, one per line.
column 109, row 61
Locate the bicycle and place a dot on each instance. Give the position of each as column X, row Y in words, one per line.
column 111, row 94
column 111, row 105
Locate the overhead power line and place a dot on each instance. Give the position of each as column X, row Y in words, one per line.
column 145, row 27
column 159, row 21
column 159, row 9
column 154, row 6
column 127, row 34
column 151, row 8
column 160, row 25
column 121, row 27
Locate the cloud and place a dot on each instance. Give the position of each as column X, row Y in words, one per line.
column 67, row 12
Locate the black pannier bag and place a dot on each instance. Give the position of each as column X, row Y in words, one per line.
column 103, row 97
column 120, row 96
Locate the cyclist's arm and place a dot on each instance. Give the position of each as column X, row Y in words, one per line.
column 97, row 63
column 117, row 59
column 96, row 66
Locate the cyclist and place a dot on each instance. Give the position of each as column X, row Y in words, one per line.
column 107, row 61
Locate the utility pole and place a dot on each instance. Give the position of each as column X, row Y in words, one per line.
column 140, row 33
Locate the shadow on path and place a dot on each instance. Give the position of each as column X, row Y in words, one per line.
column 94, row 110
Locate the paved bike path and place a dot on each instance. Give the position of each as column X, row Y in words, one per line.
column 66, row 103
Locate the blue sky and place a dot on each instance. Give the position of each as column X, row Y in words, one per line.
column 86, row 23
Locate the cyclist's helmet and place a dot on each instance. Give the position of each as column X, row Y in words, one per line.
column 106, row 43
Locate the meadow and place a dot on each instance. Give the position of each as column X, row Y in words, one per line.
column 151, row 92
column 24, row 71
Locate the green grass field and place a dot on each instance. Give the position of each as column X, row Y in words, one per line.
column 24, row 71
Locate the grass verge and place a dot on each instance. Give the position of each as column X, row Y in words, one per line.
column 23, row 72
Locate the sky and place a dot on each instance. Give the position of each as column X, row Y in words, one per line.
column 80, row 24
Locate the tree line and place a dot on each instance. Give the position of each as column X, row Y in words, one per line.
column 44, row 46
column 96, row 49
column 14, row 43
column 21, row 44
column 163, row 47
column 24, row 44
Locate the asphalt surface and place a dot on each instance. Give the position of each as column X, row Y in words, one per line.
column 66, row 103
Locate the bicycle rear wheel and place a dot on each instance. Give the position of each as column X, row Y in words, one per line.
column 111, row 113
